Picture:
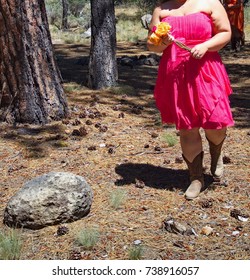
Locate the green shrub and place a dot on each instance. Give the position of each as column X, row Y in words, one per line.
column 88, row 237
column 10, row 245
column 117, row 198
column 135, row 252
column 170, row 139
column 123, row 90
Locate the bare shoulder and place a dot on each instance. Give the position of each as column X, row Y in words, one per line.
column 155, row 17
column 158, row 13
column 217, row 9
column 162, row 10
column 219, row 16
column 214, row 4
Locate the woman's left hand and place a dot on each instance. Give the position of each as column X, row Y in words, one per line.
column 198, row 51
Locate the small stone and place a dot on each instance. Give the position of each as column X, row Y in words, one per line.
column 102, row 145
column 137, row 242
column 224, row 183
column 206, row 230
column 67, row 131
column 243, row 218
column 172, row 226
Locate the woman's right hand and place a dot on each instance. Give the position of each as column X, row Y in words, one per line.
column 167, row 40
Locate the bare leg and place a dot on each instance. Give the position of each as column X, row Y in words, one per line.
column 216, row 136
column 191, row 143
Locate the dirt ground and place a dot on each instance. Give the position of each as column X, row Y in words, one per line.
column 126, row 152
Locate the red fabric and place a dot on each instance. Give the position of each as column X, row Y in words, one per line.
column 235, row 12
column 192, row 92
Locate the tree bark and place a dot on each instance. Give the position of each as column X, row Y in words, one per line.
column 30, row 83
column 103, row 71
column 65, row 6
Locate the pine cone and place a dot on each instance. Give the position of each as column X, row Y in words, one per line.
column 75, row 255
column 207, row 203
column 62, row 230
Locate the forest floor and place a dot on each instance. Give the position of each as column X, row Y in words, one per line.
column 134, row 166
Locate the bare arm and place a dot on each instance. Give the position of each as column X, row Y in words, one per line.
column 155, row 20
column 221, row 30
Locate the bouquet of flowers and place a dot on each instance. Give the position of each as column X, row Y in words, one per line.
column 162, row 30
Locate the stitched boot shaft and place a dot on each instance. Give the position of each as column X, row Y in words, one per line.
column 196, row 176
column 216, row 159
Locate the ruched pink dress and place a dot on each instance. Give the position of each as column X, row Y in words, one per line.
column 192, row 92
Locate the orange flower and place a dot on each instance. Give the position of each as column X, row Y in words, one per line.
column 156, row 40
column 160, row 30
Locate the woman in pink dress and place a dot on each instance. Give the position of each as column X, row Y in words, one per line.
column 192, row 87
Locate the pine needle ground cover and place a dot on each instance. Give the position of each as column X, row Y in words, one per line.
column 115, row 140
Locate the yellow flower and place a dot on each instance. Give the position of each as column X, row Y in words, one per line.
column 156, row 40
column 160, row 30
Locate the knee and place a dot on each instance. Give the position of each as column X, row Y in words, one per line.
column 191, row 135
column 216, row 136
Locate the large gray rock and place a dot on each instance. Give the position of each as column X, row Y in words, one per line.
column 53, row 198
column 145, row 20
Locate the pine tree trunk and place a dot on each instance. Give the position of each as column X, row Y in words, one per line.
column 30, row 82
column 65, row 6
column 103, row 71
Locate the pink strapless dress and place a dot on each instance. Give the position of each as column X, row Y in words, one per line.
column 192, row 92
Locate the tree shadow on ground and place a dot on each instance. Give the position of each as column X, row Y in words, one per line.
column 34, row 139
column 73, row 64
column 72, row 61
column 155, row 176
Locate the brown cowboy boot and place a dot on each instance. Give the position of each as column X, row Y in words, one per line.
column 196, row 176
column 216, row 159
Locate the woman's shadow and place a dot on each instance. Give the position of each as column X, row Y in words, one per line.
column 155, row 176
